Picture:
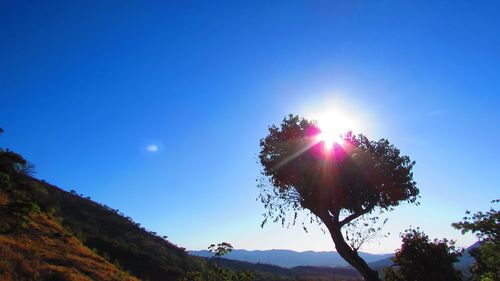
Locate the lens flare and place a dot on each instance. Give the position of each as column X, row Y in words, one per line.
column 333, row 125
column 329, row 139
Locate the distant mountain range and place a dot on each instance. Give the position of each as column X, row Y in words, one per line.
column 289, row 259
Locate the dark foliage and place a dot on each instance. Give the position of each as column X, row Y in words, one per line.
column 421, row 259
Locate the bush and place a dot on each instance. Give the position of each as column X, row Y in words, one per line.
column 421, row 259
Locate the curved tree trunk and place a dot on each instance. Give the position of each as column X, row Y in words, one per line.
column 346, row 252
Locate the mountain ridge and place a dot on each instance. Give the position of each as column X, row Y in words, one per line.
column 290, row 258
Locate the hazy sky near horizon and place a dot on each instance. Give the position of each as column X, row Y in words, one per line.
column 157, row 107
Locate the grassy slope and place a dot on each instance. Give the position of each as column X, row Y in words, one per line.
column 35, row 246
column 65, row 219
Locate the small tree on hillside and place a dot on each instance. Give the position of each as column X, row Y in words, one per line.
column 13, row 164
column 486, row 226
column 421, row 259
column 338, row 186
column 220, row 250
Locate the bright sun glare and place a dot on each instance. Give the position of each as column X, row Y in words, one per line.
column 333, row 125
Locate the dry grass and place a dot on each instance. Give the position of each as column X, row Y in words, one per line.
column 39, row 248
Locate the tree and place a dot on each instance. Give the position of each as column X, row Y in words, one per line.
column 12, row 163
column 421, row 259
column 486, row 227
column 220, row 250
column 338, row 186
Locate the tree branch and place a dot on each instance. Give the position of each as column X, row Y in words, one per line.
column 354, row 216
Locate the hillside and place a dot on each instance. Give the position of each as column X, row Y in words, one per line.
column 50, row 234
column 28, row 241
column 66, row 230
column 45, row 230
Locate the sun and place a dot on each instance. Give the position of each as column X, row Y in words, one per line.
column 333, row 125
column 329, row 138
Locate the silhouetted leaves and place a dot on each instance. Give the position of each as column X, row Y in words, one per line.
column 486, row 226
column 421, row 259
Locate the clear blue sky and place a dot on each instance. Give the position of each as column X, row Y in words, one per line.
column 87, row 86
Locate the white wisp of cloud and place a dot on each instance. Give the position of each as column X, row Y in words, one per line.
column 152, row 148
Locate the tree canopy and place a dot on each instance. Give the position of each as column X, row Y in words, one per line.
column 220, row 249
column 337, row 185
